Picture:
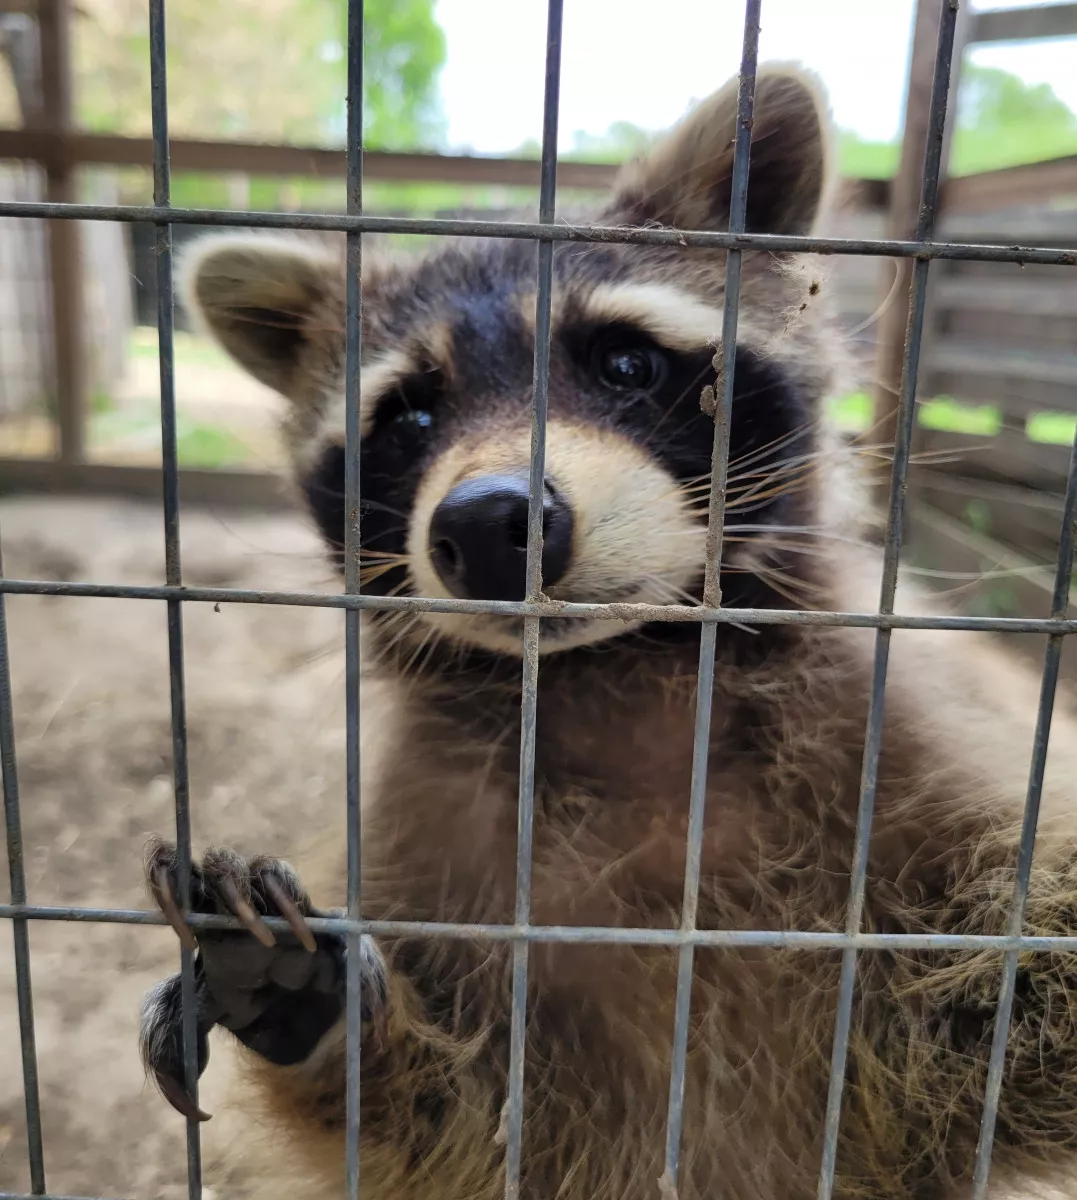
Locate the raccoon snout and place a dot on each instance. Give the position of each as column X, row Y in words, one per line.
column 478, row 537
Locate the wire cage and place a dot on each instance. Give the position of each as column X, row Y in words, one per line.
column 922, row 250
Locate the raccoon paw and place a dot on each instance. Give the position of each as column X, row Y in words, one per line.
column 278, row 993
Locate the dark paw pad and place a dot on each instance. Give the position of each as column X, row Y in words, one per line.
column 278, row 992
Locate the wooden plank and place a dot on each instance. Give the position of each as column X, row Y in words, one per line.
column 1011, row 187
column 1015, row 365
column 1020, row 518
column 1045, row 298
column 1010, row 585
column 1008, row 457
column 904, row 214
column 1024, row 24
column 1016, row 400
column 214, row 488
column 1028, row 225
column 1030, row 332
column 256, row 158
column 308, row 161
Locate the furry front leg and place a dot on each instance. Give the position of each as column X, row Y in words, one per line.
column 921, row 1057
column 428, row 1112
column 425, row 1105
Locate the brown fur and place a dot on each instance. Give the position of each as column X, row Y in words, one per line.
column 612, row 787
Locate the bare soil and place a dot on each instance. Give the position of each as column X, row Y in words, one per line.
column 91, row 693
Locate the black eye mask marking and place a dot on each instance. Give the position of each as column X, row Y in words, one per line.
column 402, row 437
column 651, row 394
column 617, row 377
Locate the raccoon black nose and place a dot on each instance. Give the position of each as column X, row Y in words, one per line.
column 478, row 538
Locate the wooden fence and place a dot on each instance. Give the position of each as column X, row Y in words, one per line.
column 1002, row 342
column 27, row 379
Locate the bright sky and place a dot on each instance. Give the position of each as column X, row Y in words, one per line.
column 645, row 61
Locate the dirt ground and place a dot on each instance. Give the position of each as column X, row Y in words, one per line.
column 265, row 713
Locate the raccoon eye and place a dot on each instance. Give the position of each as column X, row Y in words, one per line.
column 628, row 368
column 408, row 412
column 413, row 420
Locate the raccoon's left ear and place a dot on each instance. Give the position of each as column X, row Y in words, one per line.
column 264, row 300
column 686, row 180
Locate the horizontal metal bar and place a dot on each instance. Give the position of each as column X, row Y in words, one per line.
column 532, row 231
column 547, row 609
column 43, row 1195
column 572, row 934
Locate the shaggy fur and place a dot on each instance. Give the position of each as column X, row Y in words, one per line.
column 446, row 384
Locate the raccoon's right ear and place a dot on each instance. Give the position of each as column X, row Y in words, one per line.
column 261, row 298
column 685, row 181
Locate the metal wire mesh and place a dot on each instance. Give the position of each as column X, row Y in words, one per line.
column 923, row 250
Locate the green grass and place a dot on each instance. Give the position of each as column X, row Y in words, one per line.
column 972, row 152
column 867, row 160
column 199, row 445
column 188, row 347
column 979, row 420
column 853, row 414
column 1052, row 428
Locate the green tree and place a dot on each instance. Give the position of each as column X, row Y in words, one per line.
column 270, row 70
column 405, row 51
column 621, row 142
column 1002, row 121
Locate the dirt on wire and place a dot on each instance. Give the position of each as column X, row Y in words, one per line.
column 265, row 706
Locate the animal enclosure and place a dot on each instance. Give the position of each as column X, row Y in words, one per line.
column 924, row 252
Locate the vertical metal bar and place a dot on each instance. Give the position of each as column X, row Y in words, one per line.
column 173, row 571
column 869, row 776
column 20, row 932
column 712, row 595
column 529, row 696
column 1015, row 920
column 353, row 367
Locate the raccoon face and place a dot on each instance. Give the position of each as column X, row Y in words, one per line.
column 448, row 346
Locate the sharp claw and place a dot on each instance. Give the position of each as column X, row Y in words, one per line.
column 247, row 915
column 170, row 909
column 290, row 913
column 177, row 1096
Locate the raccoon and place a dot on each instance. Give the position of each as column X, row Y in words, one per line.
column 448, row 343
